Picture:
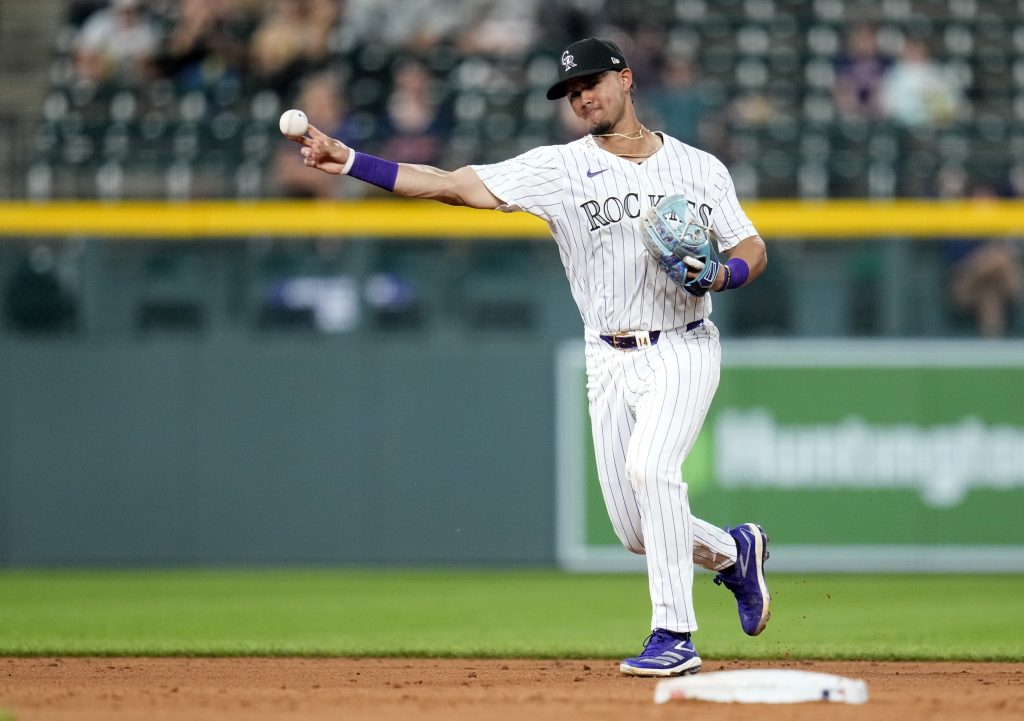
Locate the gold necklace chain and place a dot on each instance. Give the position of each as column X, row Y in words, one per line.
column 636, row 155
column 638, row 134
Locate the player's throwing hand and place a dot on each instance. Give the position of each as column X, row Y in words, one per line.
column 323, row 152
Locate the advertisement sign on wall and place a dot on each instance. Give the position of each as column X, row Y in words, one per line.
column 876, row 456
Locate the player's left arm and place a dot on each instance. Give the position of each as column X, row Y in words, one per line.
column 741, row 263
column 752, row 251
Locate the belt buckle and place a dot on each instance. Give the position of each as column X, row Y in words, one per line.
column 628, row 340
column 619, row 339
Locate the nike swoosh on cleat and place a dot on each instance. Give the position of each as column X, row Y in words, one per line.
column 592, row 173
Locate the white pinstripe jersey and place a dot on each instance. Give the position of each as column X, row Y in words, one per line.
column 592, row 201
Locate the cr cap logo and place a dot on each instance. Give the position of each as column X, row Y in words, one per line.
column 567, row 61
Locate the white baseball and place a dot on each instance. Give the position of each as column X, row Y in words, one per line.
column 693, row 264
column 293, row 123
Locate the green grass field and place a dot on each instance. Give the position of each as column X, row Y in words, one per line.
column 493, row 614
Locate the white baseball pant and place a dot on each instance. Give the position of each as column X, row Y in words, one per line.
column 646, row 408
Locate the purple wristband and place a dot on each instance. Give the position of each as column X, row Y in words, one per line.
column 740, row 271
column 374, row 170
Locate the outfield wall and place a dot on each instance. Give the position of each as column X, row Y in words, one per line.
column 243, row 451
column 856, row 456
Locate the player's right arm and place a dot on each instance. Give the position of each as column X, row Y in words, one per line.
column 458, row 187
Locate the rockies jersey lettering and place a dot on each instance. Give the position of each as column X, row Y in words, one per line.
column 613, row 210
column 592, row 201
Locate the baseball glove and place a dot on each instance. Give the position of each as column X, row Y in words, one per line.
column 677, row 240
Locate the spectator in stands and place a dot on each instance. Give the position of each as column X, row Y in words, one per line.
column 291, row 41
column 413, row 25
column 755, row 108
column 986, row 275
column 416, row 124
column 207, row 43
column 116, row 43
column 321, row 99
column 680, row 100
column 644, row 46
column 859, row 71
column 562, row 22
column 489, row 27
column 496, row 27
column 917, row 91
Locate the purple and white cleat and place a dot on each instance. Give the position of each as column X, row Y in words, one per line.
column 665, row 653
column 746, row 578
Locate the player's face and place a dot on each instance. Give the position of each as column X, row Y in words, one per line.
column 600, row 100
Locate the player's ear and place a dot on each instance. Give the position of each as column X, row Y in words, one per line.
column 626, row 78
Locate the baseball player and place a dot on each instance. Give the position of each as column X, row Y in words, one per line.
column 652, row 352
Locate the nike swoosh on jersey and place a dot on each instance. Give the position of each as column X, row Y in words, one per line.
column 592, row 173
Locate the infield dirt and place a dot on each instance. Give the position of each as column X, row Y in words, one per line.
column 202, row 689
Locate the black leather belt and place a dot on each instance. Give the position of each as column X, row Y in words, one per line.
column 626, row 341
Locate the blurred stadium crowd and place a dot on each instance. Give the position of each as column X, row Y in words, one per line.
column 801, row 98
column 810, row 99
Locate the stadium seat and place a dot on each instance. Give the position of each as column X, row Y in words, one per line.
column 782, row 50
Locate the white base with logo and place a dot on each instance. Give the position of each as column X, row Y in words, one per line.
column 762, row 685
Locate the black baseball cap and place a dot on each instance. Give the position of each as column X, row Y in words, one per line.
column 586, row 57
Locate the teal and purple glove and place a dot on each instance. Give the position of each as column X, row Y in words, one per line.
column 681, row 245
